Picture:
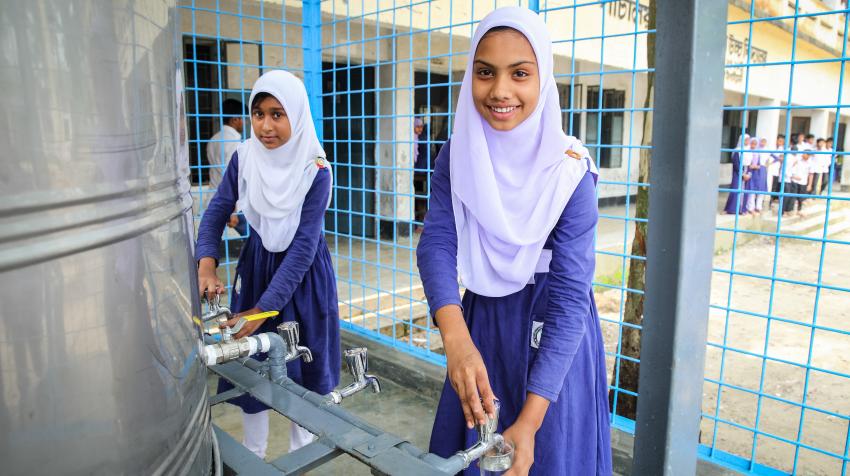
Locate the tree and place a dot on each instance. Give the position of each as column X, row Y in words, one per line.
column 633, row 311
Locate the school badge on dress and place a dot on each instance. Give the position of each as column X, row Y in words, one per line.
column 536, row 333
column 321, row 163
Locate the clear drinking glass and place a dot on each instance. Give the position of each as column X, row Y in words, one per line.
column 497, row 460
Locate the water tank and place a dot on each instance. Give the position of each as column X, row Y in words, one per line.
column 99, row 372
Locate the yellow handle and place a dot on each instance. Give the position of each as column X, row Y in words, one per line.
column 261, row 315
column 252, row 317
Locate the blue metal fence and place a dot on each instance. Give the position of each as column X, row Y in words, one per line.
column 373, row 68
column 775, row 399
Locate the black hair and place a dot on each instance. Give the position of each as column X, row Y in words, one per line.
column 821, row 139
column 233, row 109
column 810, row 136
column 830, row 139
column 781, row 136
column 258, row 99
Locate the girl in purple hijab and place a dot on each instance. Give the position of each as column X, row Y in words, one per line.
column 753, row 165
column 734, row 203
column 512, row 213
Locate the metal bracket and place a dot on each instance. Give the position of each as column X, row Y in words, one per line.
column 378, row 445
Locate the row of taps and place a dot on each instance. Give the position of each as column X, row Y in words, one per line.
column 229, row 349
column 494, row 453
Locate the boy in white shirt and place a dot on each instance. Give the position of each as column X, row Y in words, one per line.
column 220, row 149
column 774, row 169
column 221, row 146
column 801, row 179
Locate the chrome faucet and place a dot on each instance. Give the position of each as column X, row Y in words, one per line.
column 488, row 440
column 221, row 314
column 215, row 309
column 358, row 364
column 288, row 331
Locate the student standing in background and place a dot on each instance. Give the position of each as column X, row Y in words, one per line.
column 775, row 169
column 220, row 149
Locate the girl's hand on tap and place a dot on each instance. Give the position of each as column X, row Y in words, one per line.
column 465, row 367
column 208, row 283
column 250, row 327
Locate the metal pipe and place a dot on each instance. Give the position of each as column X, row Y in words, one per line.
column 225, row 351
column 219, row 467
column 277, row 358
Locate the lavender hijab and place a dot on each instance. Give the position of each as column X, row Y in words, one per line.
column 509, row 188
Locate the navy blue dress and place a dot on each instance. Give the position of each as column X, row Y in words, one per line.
column 299, row 282
column 565, row 363
column 732, row 206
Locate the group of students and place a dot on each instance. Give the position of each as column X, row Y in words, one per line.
column 785, row 174
column 512, row 215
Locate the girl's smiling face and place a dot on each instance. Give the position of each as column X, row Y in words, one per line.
column 505, row 79
column 270, row 123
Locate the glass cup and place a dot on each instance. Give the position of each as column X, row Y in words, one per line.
column 497, row 460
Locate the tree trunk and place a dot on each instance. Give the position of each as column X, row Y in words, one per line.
column 626, row 405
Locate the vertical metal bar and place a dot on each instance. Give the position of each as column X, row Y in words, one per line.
column 689, row 90
column 312, row 47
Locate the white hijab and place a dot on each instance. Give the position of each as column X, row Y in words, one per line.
column 273, row 183
column 509, row 188
column 751, row 156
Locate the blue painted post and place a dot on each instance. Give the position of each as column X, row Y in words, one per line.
column 312, row 48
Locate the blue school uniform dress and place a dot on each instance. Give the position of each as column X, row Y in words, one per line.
column 567, row 368
column 759, row 177
column 298, row 282
column 753, row 183
column 732, row 206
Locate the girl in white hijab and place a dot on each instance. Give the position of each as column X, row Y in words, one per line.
column 280, row 180
column 513, row 212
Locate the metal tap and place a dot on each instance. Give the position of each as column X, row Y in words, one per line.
column 358, row 364
column 288, row 331
column 487, row 438
column 221, row 314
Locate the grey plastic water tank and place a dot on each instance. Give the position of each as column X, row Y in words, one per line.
column 99, row 372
